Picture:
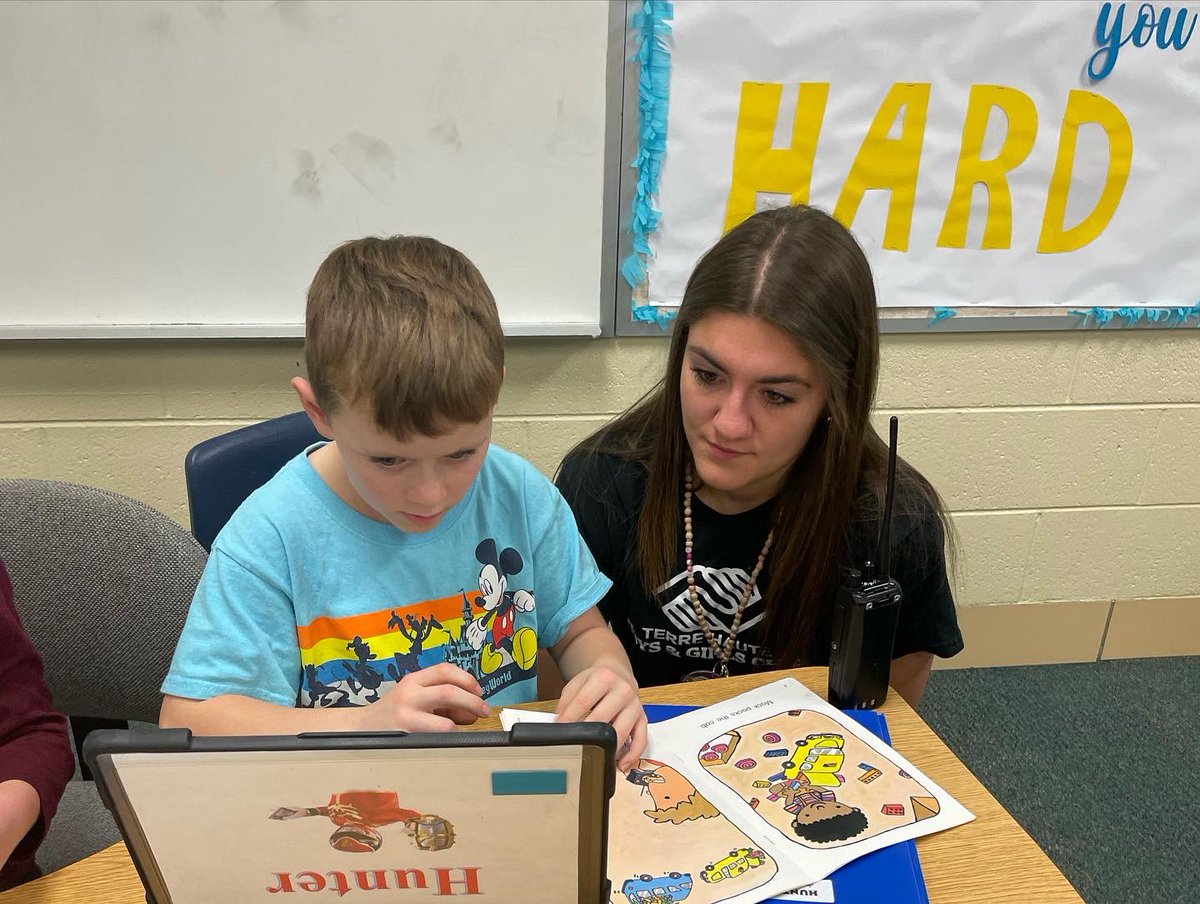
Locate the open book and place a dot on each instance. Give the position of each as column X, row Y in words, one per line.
column 759, row 794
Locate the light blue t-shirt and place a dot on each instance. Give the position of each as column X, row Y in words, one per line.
column 307, row 602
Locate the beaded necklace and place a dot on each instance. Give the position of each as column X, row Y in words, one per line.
column 722, row 654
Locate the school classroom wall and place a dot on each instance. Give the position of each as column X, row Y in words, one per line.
column 1067, row 458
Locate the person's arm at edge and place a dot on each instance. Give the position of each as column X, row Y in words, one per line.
column 921, row 560
column 581, row 484
column 20, row 807
column 436, row 698
column 36, row 762
column 600, row 684
column 910, row 674
column 233, row 714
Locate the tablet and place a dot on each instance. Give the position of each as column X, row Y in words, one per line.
column 516, row 816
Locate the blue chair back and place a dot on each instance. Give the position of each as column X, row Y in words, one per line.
column 221, row 472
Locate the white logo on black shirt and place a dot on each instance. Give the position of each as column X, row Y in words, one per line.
column 719, row 590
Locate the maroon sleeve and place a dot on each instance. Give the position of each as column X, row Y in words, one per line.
column 35, row 745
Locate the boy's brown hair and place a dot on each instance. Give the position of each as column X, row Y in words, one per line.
column 407, row 327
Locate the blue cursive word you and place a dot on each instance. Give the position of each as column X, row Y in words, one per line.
column 1112, row 35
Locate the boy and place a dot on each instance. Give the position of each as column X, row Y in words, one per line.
column 404, row 574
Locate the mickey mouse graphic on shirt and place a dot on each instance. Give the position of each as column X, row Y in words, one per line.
column 495, row 634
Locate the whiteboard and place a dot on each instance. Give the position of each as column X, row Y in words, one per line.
column 182, row 168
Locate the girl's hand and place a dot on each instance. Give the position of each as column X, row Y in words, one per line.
column 602, row 694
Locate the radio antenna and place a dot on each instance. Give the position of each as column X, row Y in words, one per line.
column 883, row 554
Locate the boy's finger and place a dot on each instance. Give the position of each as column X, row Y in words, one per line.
column 605, row 709
column 576, row 705
column 624, row 724
column 461, row 716
column 637, row 746
column 420, row 721
column 453, row 697
column 630, row 726
column 639, row 739
column 612, row 697
column 445, row 673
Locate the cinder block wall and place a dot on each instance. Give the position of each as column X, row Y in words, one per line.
column 1067, row 458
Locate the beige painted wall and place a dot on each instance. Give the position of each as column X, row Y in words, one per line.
column 1068, row 459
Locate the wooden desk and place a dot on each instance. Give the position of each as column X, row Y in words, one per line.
column 989, row 860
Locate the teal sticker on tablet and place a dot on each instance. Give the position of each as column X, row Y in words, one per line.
column 529, row 781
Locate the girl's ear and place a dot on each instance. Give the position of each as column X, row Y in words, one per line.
column 308, row 401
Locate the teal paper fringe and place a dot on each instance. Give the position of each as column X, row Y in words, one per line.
column 1102, row 317
column 654, row 83
column 1128, row 316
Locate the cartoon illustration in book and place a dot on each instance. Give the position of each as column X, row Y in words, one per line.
column 358, row 816
column 817, row 815
column 818, row 757
column 494, row 634
column 668, row 889
column 668, row 843
column 734, row 865
column 791, row 769
column 674, row 797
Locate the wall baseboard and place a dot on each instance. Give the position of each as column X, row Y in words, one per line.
column 1043, row 633
column 1154, row 627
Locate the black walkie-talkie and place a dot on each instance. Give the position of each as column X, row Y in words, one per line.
column 865, row 616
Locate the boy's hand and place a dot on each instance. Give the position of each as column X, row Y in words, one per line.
column 431, row 699
column 602, row 694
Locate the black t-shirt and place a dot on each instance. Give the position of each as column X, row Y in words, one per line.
column 661, row 632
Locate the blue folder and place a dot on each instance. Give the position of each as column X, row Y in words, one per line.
column 891, row 875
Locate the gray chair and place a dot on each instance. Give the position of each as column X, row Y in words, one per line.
column 102, row 584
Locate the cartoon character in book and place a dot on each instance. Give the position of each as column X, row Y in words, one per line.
column 819, row 758
column 739, row 861
column 676, row 800
column 495, row 634
column 796, row 770
column 670, row 888
column 817, row 814
column 358, row 816
column 657, row 855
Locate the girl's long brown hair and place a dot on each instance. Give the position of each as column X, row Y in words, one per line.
column 800, row 270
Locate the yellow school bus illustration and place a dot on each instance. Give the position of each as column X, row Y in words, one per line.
column 819, row 757
column 735, row 864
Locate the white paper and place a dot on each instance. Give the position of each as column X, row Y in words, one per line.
column 684, row 817
column 510, row 717
column 817, row 893
column 763, row 794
